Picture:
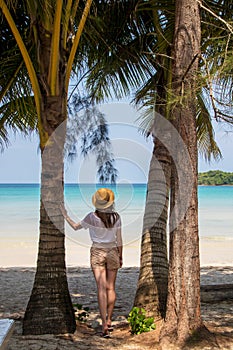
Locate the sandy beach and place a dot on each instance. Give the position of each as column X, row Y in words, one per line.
column 18, row 253
column 17, row 269
column 17, row 282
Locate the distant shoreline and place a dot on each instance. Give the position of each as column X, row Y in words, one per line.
column 208, row 178
column 216, row 185
column 74, row 183
column 88, row 184
column 215, row 178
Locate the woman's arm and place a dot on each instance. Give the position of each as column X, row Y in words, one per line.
column 75, row 225
column 119, row 244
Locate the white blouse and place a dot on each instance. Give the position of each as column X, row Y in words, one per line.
column 98, row 232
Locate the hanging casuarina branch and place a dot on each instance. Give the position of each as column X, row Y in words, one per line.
column 87, row 129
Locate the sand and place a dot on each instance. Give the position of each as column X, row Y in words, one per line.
column 17, row 269
column 16, row 284
column 24, row 253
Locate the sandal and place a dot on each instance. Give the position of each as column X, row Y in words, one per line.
column 110, row 328
column 105, row 334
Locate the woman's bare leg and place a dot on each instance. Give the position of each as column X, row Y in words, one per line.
column 111, row 294
column 101, row 282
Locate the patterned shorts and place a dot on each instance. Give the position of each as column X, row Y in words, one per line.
column 107, row 258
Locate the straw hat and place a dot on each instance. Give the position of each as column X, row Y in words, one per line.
column 103, row 198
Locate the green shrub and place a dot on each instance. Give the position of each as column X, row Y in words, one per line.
column 139, row 323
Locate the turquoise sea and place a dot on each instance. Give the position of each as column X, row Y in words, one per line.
column 19, row 212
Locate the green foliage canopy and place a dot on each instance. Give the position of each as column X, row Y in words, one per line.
column 215, row 177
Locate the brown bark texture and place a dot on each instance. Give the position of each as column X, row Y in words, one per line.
column 183, row 315
column 151, row 291
column 50, row 308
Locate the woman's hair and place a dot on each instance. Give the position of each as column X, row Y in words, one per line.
column 109, row 218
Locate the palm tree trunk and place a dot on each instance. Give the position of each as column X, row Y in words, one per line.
column 183, row 315
column 151, row 291
column 152, row 287
column 50, row 308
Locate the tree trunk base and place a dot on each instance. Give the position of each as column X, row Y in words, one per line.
column 50, row 309
column 201, row 338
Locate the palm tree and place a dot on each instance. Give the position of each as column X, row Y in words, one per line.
column 154, row 22
column 183, row 315
column 47, row 51
column 151, row 33
column 152, row 284
column 117, row 48
column 151, row 293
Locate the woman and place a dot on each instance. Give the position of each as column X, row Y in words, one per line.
column 106, row 252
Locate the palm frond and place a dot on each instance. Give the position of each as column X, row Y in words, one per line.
column 17, row 108
column 207, row 145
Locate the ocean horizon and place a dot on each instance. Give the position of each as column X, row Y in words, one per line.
column 19, row 208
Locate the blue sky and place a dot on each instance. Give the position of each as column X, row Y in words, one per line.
column 20, row 162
